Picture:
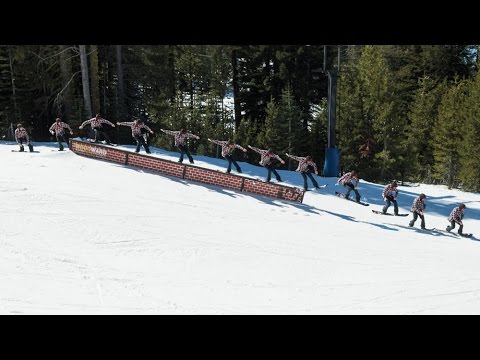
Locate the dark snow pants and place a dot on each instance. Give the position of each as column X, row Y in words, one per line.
column 389, row 200
column 184, row 150
column 415, row 216
column 231, row 160
column 141, row 141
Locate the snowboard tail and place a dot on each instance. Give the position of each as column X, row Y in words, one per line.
column 317, row 188
column 454, row 233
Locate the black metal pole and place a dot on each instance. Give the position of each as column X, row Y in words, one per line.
column 332, row 104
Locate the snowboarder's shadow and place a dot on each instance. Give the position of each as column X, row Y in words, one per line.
column 426, row 232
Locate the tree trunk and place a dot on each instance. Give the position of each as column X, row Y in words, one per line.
column 14, row 92
column 85, row 81
column 66, row 71
column 236, row 90
column 121, row 86
column 172, row 75
column 95, row 83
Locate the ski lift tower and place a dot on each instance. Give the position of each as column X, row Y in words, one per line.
column 331, row 167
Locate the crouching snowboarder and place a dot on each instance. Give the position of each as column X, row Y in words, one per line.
column 456, row 216
column 58, row 129
column 347, row 180
column 21, row 136
column 390, row 193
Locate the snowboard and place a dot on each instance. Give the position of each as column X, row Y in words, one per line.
column 381, row 213
column 429, row 230
column 454, row 233
column 436, row 231
column 101, row 142
column 319, row 187
column 35, row 151
column 339, row 194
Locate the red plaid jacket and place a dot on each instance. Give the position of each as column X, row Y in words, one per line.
column 303, row 164
column 180, row 138
column 348, row 177
column 266, row 158
column 456, row 215
column 389, row 190
column 59, row 128
column 418, row 205
column 96, row 123
column 227, row 149
column 136, row 127
column 21, row 133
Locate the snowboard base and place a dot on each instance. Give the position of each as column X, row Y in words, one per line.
column 381, row 213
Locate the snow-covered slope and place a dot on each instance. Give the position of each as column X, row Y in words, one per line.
column 82, row 236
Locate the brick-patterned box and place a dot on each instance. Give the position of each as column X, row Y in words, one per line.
column 188, row 172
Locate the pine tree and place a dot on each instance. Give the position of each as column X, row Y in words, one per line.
column 382, row 105
column 419, row 135
column 469, row 174
column 355, row 133
column 283, row 131
column 448, row 135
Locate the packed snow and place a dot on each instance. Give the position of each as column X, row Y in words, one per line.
column 84, row 236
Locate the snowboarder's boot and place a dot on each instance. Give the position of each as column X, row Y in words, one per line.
column 460, row 230
column 21, row 148
column 30, row 147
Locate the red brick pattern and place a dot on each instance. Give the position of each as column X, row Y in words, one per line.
column 213, row 177
column 189, row 172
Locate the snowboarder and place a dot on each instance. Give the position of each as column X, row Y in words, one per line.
column 21, row 136
column 268, row 161
column 228, row 147
column 456, row 216
column 96, row 124
column 390, row 193
column 347, row 181
column 306, row 166
column 137, row 127
column 58, row 129
column 419, row 204
column 180, row 142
